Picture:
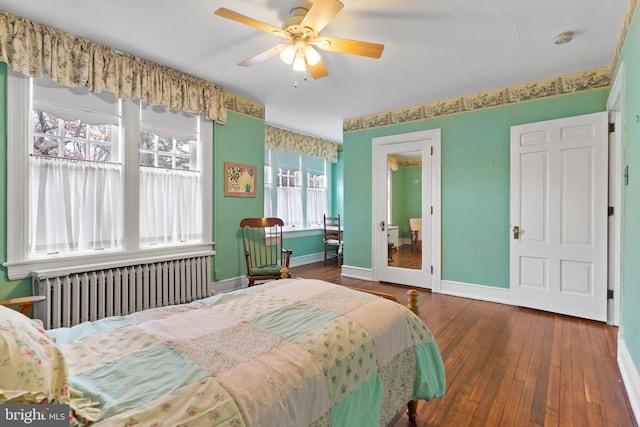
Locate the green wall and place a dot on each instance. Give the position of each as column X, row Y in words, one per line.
column 241, row 140
column 630, row 324
column 337, row 186
column 475, row 184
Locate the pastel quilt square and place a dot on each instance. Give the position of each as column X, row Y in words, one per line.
column 294, row 320
column 296, row 289
column 267, row 389
column 224, row 297
column 204, row 403
column 137, row 379
column 398, row 378
column 222, row 350
column 86, row 329
column 419, row 331
column 340, row 299
column 430, row 375
column 252, row 307
column 360, row 408
column 346, row 353
column 385, row 323
column 101, row 349
column 159, row 313
column 189, row 324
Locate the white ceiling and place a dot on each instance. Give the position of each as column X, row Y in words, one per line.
column 434, row 49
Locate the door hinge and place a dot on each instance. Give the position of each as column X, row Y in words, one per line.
column 431, row 210
column 610, row 211
column 612, row 127
column 432, row 150
column 609, row 293
column 432, row 269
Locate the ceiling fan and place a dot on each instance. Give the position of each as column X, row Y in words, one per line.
column 302, row 31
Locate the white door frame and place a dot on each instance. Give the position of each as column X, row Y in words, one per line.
column 433, row 138
column 615, row 107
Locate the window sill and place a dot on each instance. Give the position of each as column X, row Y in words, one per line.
column 294, row 233
column 51, row 267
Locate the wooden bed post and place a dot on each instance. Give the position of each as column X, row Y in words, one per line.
column 412, row 406
column 413, row 301
column 412, row 410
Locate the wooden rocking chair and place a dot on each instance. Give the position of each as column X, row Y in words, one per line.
column 266, row 258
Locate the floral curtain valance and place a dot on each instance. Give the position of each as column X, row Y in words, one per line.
column 286, row 140
column 39, row 51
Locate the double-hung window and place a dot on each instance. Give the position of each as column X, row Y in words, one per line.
column 295, row 188
column 97, row 179
column 75, row 172
column 170, row 179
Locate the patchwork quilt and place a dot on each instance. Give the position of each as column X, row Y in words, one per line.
column 292, row 352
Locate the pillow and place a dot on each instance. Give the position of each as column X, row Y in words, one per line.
column 32, row 367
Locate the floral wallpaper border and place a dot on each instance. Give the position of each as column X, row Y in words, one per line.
column 410, row 163
column 632, row 5
column 244, row 106
column 577, row 82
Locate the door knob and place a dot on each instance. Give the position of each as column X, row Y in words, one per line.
column 381, row 225
column 516, row 232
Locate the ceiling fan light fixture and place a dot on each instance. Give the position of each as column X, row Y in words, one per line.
column 288, row 55
column 312, row 56
column 298, row 62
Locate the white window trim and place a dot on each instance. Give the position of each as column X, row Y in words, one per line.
column 17, row 264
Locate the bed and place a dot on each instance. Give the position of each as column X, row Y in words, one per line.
column 292, row 352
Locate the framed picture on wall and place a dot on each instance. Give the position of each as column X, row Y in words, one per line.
column 239, row 180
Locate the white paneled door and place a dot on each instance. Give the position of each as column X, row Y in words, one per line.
column 558, row 224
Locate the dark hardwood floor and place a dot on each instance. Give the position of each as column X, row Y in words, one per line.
column 405, row 257
column 511, row 366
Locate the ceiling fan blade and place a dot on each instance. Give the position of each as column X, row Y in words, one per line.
column 321, row 13
column 318, row 70
column 270, row 53
column 243, row 19
column 353, row 47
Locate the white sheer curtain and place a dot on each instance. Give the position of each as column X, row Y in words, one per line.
column 290, row 206
column 74, row 205
column 316, row 206
column 170, row 206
